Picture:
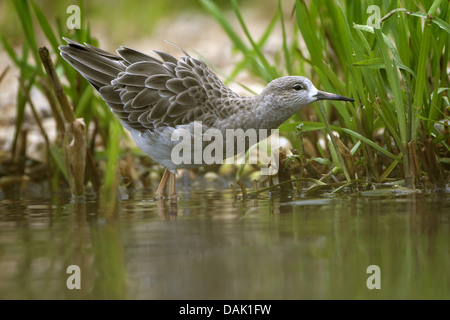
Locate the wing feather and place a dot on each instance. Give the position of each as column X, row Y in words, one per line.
column 147, row 93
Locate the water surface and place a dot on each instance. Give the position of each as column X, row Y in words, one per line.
column 211, row 246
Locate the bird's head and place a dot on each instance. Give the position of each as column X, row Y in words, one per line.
column 285, row 96
column 295, row 92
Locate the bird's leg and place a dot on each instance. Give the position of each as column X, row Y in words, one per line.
column 162, row 185
column 172, row 193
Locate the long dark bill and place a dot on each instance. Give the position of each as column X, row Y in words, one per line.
column 322, row 95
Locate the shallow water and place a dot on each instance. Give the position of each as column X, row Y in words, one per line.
column 211, row 246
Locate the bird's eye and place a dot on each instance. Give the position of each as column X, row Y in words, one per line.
column 297, row 87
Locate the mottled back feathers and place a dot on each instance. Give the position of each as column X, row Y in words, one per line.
column 146, row 93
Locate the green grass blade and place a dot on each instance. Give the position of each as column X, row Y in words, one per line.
column 394, row 81
column 388, row 171
column 269, row 71
column 10, row 51
column 215, row 11
column 111, row 175
column 341, row 162
column 422, row 79
column 305, row 126
column 58, row 159
column 286, row 52
column 371, row 143
column 23, row 11
column 82, row 107
column 46, row 28
column 378, row 63
column 307, row 30
column 439, row 22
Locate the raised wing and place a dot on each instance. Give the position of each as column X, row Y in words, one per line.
column 146, row 93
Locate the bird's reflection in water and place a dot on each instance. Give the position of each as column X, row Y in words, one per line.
column 167, row 209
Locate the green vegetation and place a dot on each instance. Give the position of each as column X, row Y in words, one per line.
column 64, row 165
column 398, row 75
column 397, row 71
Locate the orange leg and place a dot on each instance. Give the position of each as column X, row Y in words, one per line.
column 172, row 193
column 162, row 185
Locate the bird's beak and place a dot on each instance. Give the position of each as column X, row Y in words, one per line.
column 321, row 95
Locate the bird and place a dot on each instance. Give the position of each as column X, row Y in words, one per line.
column 153, row 97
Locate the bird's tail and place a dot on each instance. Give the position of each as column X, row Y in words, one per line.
column 95, row 65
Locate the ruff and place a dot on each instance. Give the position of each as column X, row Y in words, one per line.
column 153, row 97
